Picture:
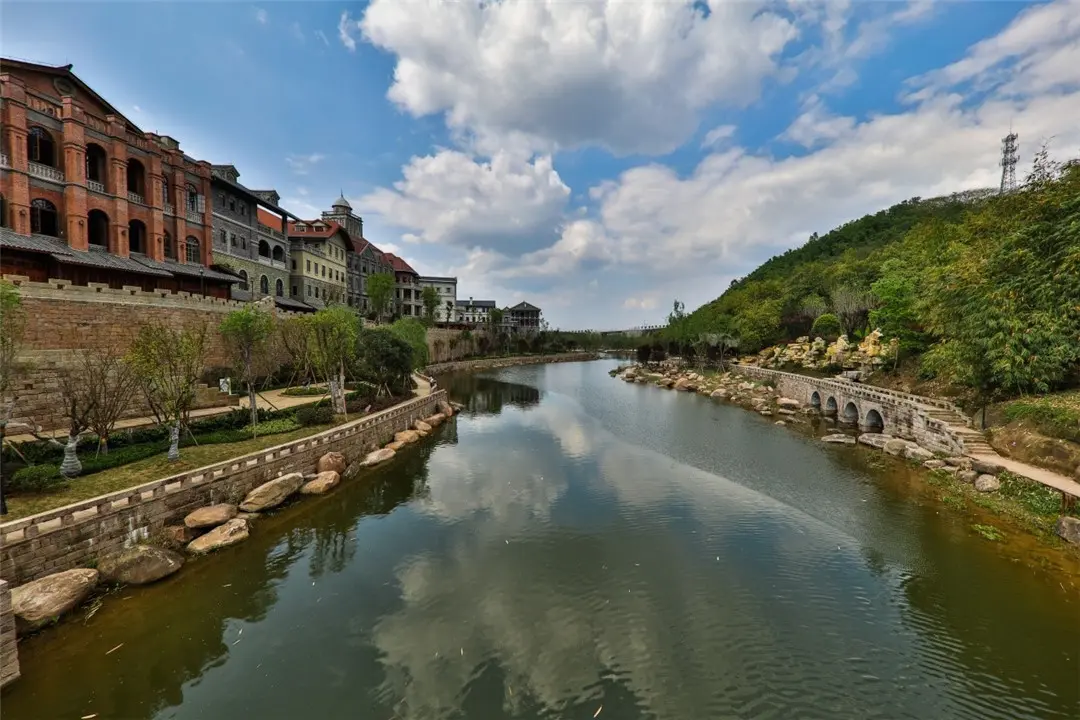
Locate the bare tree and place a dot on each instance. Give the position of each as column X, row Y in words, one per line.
column 813, row 306
column 852, row 307
column 79, row 403
column 110, row 382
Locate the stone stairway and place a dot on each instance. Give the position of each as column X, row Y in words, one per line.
column 974, row 441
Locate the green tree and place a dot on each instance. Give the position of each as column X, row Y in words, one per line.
column 111, row 382
column 380, row 290
column 248, row 333
column 385, row 360
column 430, row 297
column 896, row 313
column 334, row 332
column 827, row 327
column 168, row 363
column 413, row 332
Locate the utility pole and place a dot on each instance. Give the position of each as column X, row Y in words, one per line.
column 1008, row 162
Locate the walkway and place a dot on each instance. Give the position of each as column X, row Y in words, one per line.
column 1049, row 478
column 423, row 386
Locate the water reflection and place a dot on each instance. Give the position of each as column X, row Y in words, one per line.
column 487, row 394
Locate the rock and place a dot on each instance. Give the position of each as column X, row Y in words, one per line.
column 838, row 439
column 435, row 420
column 395, row 446
column 177, row 536
column 934, row 464
column 896, row 446
column 682, row 384
column 967, row 476
column 210, row 516
column 765, row 413
column 37, row 603
column 948, row 469
column 445, row 409
column 1068, row 529
column 786, row 411
column 914, row 452
column 374, row 458
column 721, row 393
column 406, row 436
column 875, row 440
column 788, row 403
column 225, row 535
column 331, row 461
column 987, row 483
column 959, row 462
column 986, row 467
column 273, row 493
column 323, row 481
column 139, row 565
column 779, row 422
column 250, row 517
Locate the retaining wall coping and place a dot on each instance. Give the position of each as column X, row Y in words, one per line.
column 51, row 520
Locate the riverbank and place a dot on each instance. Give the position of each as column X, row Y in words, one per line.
column 502, row 362
column 979, row 478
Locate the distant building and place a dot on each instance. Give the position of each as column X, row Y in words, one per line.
column 447, row 289
column 524, row 318
column 475, row 312
column 407, row 302
column 318, row 262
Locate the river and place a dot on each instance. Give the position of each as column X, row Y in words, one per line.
column 572, row 546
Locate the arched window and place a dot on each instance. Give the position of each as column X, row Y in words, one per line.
column 280, row 289
column 136, row 178
column 136, row 236
column 165, row 190
column 192, row 250
column 264, row 249
column 279, row 253
column 264, row 285
column 98, row 228
column 96, row 164
column 40, row 147
column 43, row 218
column 170, row 250
column 243, row 280
column 3, row 212
column 192, row 198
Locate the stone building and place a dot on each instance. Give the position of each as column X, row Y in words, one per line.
column 446, row 287
column 364, row 260
column 474, row 312
column 318, row 262
column 523, row 318
column 249, row 237
column 88, row 197
column 407, row 300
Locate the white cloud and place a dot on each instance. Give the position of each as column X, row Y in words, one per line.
column 261, row 16
column 346, row 27
column 546, row 74
column 322, row 37
column 717, row 135
column 302, row 164
column 448, row 197
column 647, row 302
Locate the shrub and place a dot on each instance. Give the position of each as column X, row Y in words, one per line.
column 36, row 479
column 319, row 414
column 121, row 456
column 309, row 391
column 827, row 327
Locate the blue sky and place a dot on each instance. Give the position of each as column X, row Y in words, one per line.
column 598, row 159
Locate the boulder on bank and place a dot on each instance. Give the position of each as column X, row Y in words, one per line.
column 37, row 603
column 838, row 439
column 987, row 483
column 920, row 454
column 1068, row 529
column 374, row 458
column 176, row 537
column 406, row 436
column 323, row 482
column 788, row 403
column 421, row 427
column 896, row 446
column 395, row 446
column 331, row 461
column 435, row 420
column 875, row 440
column 967, row 476
column 232, row 532
column 210, row 516
column 139, row 565
column 934, row 464
column 957, row 461
column 682, row 384
column 986, row 467
column 273, row 493
column 721, row 393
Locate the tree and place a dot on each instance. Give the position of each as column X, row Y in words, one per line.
column 385, row 360
column 813, row 306
column 293, row 335
column 430, row 297
column 332, row 343
column 168, row 363
column 247, row 333
column 78, row 404
column 827, row 327
column 896, row 314
column 380, row 289
column 413, row 332
column 852, row 306
column 111, row 382
column 643, row 353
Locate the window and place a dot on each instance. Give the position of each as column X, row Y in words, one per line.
column 264, row 249
column 232, row 204
column 221, row 200
column 43, row 218
column 294, row 264
column 324, row 271
column 308, row 290
column 3, row 212
column 232, row 238
column 164, row 191
column 192, row 250
column 308, row 266
column 192, row 198
column 294, row 291
column 95, row 163
column 97, row 228
column 136, row 178
column 170, row 251
column 279, row 255
column 40, row 147
column 264, row 285
column 136, row 236
column 316, row 291
column 279, row 288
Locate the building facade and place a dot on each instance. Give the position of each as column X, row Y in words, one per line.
column 88, row 197
column 474, row 312
column 318, row 262
column 364, row 260
column 446, row 287
column 407, row 300
column 249, row 236
column 523, row 318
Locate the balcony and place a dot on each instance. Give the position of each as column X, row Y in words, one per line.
column 136, row 198
column 46, row 173
column 95, row 186
column 4, row 161
column 194, row 217
column 271, row 232
column 169, row 209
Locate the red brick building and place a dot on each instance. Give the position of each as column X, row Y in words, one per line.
column 88, row 197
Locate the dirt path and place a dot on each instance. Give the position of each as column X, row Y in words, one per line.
column 1031, row 472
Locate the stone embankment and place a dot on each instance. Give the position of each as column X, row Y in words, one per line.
column 908, row 418
column 501, row 362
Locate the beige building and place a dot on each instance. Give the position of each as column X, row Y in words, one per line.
column 318, row 262
column 446, row 287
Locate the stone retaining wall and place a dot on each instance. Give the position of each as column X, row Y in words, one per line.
column 492, row 363
column 75, row 535
column 9, row 653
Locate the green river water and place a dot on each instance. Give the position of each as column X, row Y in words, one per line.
column 572, row 546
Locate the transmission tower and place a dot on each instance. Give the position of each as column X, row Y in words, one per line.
column 1008, row 162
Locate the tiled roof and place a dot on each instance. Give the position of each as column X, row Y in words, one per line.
column 219, row 177
column 289, row 304
column 99, row 257
column 524, row 306
column 33, row 243
column 476, row 303
column 187, row 269
column 398, row 264
column 331, row 227
column 268, row 219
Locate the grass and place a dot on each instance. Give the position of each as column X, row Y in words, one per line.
column 989, row 532
column 1056, row 415
column 142, row 471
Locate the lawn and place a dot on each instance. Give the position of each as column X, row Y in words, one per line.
column 146, row 470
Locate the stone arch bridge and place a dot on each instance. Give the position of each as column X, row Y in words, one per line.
column 935, row 424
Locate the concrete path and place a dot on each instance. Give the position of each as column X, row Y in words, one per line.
column 423, row 387
column 1048, row 478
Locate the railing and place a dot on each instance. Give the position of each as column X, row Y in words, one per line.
column 136, row 198
column 43, row 106
column 45, row 172
column 139, row 142
column 96, row 123
column 169, row 209
column 271, row 232
column 4, row 161
column 95, row 186
column 194, row 217
column 34, row 525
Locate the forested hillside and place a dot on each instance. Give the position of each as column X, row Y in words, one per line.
column 983, row 288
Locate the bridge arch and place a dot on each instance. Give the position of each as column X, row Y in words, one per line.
column 830, row 407
column 873, row 422
column 850, row 414
column 815, row 400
